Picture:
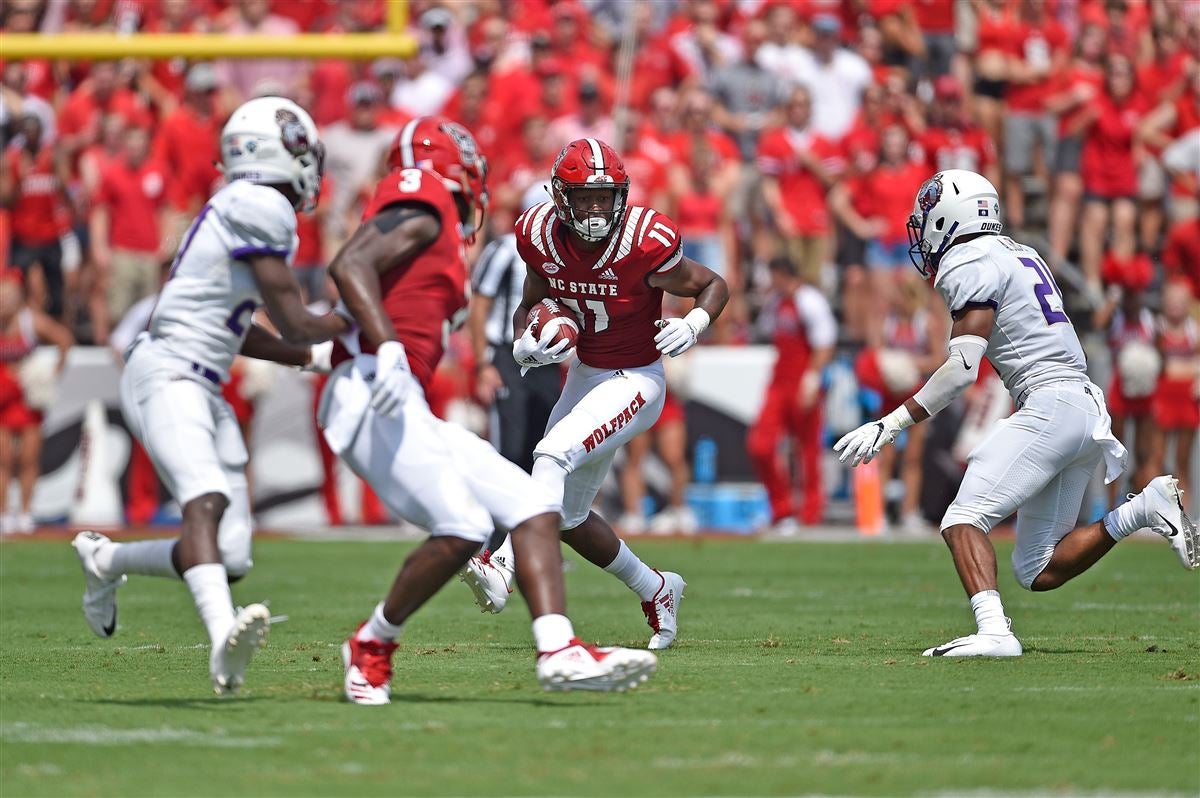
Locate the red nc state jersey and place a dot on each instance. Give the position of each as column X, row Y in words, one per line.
column 427, row 296
column 608, row 288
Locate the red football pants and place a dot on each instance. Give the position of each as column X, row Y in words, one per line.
column 781, row 418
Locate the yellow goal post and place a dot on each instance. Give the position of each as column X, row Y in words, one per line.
column 394, row 43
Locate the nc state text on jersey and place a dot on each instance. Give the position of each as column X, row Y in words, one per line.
column 618, row 421
column 582, row 289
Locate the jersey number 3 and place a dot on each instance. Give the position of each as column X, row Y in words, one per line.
column 1047, row 292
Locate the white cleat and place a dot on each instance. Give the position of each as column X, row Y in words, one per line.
column 228, row 661
column 490, row 577
column 979, row 645
column 100, row 597
column 1166, row 516
column 662, row 612
column 368, row 666
column 583, row 667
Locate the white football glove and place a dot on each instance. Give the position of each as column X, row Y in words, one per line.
column 677, row 336
column 320, row 358
column 861, row 445
column 392, row 379
column 530, row 353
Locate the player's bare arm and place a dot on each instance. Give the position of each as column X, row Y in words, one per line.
column 285, row 305
column 392, row 237
column 968, row 341
column 262, row 344
column 536, row 289
column 689, row 279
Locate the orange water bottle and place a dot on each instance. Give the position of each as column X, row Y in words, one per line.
column 868, row 498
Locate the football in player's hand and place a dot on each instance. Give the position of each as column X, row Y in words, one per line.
column 550, row 324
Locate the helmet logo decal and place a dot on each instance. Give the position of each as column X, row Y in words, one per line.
column 930, row 194
column 292, row 133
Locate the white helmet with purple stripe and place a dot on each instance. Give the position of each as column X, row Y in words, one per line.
column 950, row 205
column 273, row 141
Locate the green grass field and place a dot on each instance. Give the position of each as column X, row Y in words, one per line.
column 796, row 672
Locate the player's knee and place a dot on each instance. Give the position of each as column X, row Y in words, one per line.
column 457, row 549
column 572, row 520
column 236, row 560
column 207, row 507
column 1037, row 576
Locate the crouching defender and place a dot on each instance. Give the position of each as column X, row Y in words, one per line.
column 403, row 276
column 234, row 258
column 1038, row 462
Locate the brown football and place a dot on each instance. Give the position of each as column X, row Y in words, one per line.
column 548, row 318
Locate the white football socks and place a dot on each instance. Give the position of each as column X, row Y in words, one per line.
column 552, row 633
column 145, row 557
column 378, row 628
column 1126, row 519
column 989, row 613
column 641, row 578
column 505, row 553
column 210, row 589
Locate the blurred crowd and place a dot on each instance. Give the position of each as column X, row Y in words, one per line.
column 786, row 137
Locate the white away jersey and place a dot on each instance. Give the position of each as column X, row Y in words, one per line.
column 1032, row 341
column 204, row 309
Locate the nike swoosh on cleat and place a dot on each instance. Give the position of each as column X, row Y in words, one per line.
column 112, row 627
column 1174, row 529
column 941, row 651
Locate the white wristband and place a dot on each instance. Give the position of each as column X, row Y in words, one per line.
column 698, row 319
column 899, row 418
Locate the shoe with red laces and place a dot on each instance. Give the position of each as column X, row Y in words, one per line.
column 368, row 670
column 490, row 577
column 584, row 667
column 662, row 612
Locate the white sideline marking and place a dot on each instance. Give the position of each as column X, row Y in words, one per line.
column 105, row 735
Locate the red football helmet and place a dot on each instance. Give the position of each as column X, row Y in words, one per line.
column 449, row 149
column 588, row 165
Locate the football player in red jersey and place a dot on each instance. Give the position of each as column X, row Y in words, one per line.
column 609, row 264
column 403, row 276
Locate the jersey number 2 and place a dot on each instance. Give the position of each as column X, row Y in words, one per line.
column 1045, row 289
column 591, row 311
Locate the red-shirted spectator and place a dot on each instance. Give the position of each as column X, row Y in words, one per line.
column 1076, row 87
column 655, row 65
column 935, row 19
column 952, row 140
column 1039, row 51
column 1109, row 167
column 799, row 323
column 698, row 129
column 126, row 230
column 875, row 208
column 798, row 166
column 996, row 33
column 1181, row 254
column 186, row 144
column 172, row 16
column 468, row 107
column 21, row 329
column 99, row 94
column 519, row 170
column 32, row 187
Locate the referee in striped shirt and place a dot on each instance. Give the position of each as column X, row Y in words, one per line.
column 519, row 407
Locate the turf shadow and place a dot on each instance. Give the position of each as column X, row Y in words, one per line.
column 423, row 698
column 179, row 703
